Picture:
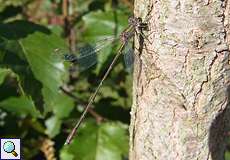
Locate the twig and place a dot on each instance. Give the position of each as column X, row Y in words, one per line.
column 68, row 25
column 98, row 117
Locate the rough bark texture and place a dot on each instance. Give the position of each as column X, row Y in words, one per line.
column 181, row 107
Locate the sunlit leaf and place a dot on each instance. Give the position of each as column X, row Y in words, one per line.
column 22, row 106
column 59, row 104
column 100, row 25
column 53, row 125
column 38, row 45
column 227, row 156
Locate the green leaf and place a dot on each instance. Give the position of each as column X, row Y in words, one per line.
column 65, row 155
column 53, row 126
column 3, row 73
column 98, row 142
column 38, row 46
column 227, row 155
column 50, row 73
column 59, row 104
column 22, row 106
column 99, row 25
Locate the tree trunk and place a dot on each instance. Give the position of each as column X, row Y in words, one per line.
column 180, row 102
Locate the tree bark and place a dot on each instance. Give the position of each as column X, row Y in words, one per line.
column 181, row 81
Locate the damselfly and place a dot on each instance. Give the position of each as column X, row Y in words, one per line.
column 134, row 27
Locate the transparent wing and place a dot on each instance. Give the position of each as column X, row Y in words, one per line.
column 128, row 57
column 88, row 50
column 87, row 55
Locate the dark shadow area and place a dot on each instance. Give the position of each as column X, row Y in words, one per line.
column 218, row 133
column 12, row 56
column 10, row 11
column 105, row 109
column 20, row 29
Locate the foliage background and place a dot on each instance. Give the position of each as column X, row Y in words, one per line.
column 32, row 105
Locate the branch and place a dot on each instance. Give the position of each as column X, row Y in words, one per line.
column 98, row 117
column 68, row 25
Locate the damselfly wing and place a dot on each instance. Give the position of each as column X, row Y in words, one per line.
column 87, row 55
column 128, row 57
